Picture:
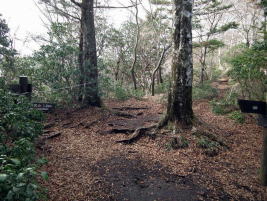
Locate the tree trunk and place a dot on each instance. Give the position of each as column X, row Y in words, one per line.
column 160, row 75
column 265, row 26
column 203, row 75
column 89, row 56
column 179, row 109
column 80, row 61
column 157, row 69
column 135, row 48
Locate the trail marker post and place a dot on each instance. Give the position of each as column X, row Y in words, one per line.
column 24, row 88
column 258, row 107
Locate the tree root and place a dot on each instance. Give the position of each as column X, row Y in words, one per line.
column 138, row 134
column 130, row 108
column 49, row 125
column 122, row 114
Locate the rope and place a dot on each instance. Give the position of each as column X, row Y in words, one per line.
column 57, row 89
column 54, row 89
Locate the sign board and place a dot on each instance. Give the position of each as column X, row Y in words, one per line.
column 46, row 107
column 262, row 121
column 249, row 106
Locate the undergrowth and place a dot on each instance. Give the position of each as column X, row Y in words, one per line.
column 177, row 143
column 225, row 105
column 204, row 91
column 237, row 116
column 211, row 148
column 19, row 127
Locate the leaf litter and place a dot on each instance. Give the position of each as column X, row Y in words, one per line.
column 87, row 165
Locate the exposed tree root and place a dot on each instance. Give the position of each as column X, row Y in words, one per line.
column 130, row 108
column 138, row 134
column 118, row 130
column 66, row 125
column 90, row 124
column 122, row 114
column 49, row 125
column 53, row 136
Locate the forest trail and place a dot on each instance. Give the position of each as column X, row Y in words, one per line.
column 86, row 163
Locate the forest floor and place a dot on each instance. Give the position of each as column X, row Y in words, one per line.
column 86, row 163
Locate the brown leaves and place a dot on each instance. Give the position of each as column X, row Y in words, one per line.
column 77, row 171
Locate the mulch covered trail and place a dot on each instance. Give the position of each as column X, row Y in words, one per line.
column 86, row 163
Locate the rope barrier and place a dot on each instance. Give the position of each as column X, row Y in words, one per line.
column 73, row 86
column 53, row 89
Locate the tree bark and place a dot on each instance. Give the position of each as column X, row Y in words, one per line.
column 80, row 62
column 89, row 55
column 157, row 69
column 160, row 75
column 135, row 48
column 179, row 109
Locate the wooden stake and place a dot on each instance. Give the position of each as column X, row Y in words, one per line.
column 264, row 159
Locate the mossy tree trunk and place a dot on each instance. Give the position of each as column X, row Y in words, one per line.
column 179, row 109
column 89, row 55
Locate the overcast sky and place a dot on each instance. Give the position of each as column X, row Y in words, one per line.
column 24, row 20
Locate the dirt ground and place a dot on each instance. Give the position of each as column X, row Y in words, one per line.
column 86, row 163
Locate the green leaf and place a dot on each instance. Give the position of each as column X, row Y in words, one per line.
column 20, row 176
column 15, row 189
column 15, row 161
column 44, row 175
column 42, row 161
column 3, row 177
column 21, row 185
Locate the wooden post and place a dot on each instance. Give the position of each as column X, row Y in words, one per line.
column 264, row 159
column 23, row 83
column 260, row 108
column 25, row 87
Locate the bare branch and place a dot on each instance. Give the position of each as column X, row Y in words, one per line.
column 76, row 3
column 65, row 14
column 119, row 7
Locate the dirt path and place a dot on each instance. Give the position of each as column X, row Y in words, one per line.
column 86, row 163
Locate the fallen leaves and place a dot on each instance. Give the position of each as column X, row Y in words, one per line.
column 77, row 171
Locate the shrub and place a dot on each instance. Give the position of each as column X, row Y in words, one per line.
column 237, row 116
column 17, row 182
column 138, row 94
column 162, row 87
column 120, row 93
column 177, row 143
column 206, row 143
column 211, row 147
column 218, row 108
column 18, row 119
column 205, row 91
column 19, row 126
column 226, row 105
column 247, row 68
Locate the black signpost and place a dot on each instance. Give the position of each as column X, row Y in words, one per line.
column 24, row 88
column 258, row 107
